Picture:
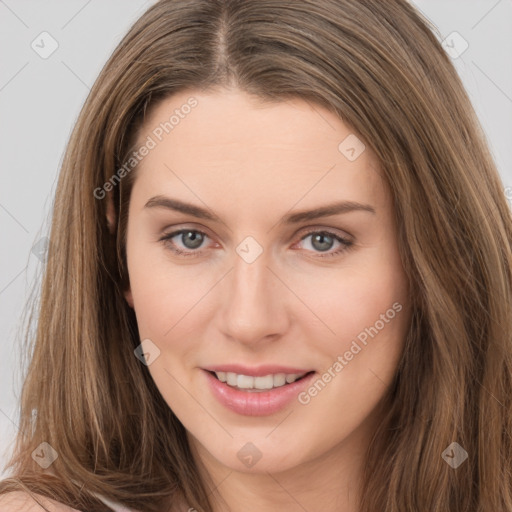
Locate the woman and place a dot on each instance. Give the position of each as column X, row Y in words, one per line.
column 278, row 276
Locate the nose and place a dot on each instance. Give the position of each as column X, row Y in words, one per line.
column 254, row 302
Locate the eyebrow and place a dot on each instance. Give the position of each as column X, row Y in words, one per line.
column 292, row 218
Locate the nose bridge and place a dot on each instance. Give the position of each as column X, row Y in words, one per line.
column 253, row 304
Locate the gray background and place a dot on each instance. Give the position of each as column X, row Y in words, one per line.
column 40, row 99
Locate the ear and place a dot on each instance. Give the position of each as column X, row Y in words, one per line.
column 111, row 222
column 128, row 296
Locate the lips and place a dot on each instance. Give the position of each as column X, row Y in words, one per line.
column 255, row 402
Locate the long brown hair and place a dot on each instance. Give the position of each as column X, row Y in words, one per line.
column 379, row 66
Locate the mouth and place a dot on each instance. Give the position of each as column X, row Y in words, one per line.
column 261, row 395
column 258, row 384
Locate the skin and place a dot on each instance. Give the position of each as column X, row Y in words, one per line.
column 251, row 163
column 20, row 501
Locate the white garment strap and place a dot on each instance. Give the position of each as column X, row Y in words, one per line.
column 114, row 506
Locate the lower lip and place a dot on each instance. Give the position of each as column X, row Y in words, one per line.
column 256, row 403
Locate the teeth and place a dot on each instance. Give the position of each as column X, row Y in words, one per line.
column 221, row 376
column 267, row 382
column 231, row 379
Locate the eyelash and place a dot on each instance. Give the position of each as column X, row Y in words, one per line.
column 166, row 240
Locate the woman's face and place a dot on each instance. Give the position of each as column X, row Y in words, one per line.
column 267, row 284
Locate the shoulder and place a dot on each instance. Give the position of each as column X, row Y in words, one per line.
column 20, row 501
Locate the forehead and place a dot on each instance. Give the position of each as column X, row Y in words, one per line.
column 232, row 145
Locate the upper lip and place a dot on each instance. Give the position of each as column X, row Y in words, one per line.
column 256, row 371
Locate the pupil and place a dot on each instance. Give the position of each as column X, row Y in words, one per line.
column 322, row 247
column 197, row 239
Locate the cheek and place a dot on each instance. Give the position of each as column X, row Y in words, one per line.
column 366, row 311
column 369, row 316
column 352, row 301
column 166, row 305
column 160, row 291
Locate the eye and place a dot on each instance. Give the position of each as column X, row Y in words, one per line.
column 191, row 239
column 322, row 241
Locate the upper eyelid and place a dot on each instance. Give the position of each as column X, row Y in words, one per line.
column 314, row 227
